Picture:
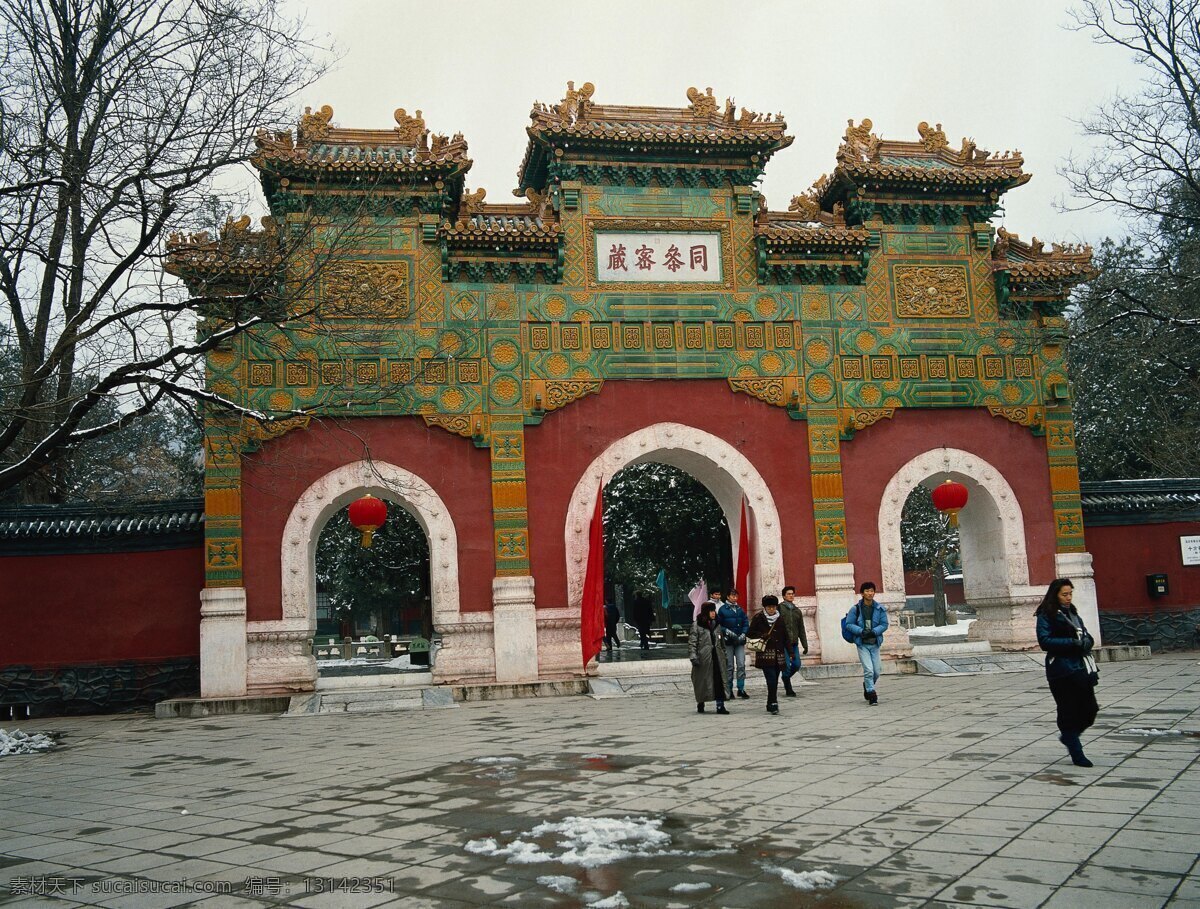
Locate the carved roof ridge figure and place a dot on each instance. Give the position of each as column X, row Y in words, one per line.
column 315, row 125
column 703, row 106
column 932, row 138
column 409, row 130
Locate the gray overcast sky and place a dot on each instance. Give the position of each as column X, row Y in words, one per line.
column 1009, row 75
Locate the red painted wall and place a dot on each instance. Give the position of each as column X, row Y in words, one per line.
column 1123, row 555
column 873, row 456
column 274, row 478
column 113, row 607
column 560, row 449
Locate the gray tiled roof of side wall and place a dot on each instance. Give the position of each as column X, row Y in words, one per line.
column 1140, row 501
column 51, row 529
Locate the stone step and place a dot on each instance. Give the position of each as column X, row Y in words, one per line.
column 958, row 664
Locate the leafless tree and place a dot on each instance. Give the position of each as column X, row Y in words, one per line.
column 118, row 122
column 1147, row 161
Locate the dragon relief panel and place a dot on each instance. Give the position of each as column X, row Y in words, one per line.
column 931, row 291
column 366, row 290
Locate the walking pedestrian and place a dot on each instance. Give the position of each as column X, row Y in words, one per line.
column 865, row 623
column 707, row 654
column 767, row 626
column 793, row 620
column 643, row 616
column 612, row 617
column 733, row 621
column 1070, row 666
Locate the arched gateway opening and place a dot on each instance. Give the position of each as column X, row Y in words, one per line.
column 663, row 532
column 333, row 492
column 991, row 534
column 723, row 470
column 373, row 605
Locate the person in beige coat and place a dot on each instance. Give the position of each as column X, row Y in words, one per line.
column 707, row 653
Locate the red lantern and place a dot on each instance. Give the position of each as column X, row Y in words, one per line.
column 368, row 514
column 950, row 498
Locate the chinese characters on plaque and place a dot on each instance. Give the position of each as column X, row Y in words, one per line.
column 670, row 258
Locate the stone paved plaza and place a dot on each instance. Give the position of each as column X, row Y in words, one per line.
column 952, row 792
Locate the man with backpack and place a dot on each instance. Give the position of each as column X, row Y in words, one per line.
column 863, row 627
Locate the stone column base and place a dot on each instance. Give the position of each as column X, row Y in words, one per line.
column 514, row 629
column 467, row 652
column 1078, row 567
column 835, row 596
column 1007, row 622
column 560, row 651
column 223, row 642
column 895, row 641
column 280, row 657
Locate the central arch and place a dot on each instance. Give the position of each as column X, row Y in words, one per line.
column 720, row 467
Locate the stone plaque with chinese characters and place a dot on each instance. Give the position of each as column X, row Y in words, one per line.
column 658, row 258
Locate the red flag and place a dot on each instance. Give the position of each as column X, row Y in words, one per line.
column 742, row 575
column 591, row 625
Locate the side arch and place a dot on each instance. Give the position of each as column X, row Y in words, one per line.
column 711, row 460
column 339, row 488
column 991, row 527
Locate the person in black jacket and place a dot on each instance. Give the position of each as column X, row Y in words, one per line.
column 1070, row 667
column 612, row 617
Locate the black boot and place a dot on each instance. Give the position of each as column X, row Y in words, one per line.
column 1075, row 749
column 700, row 707
column 721, row 708
column 873, row 698
column 772, row 708
column 788, row 689
column 866, row 694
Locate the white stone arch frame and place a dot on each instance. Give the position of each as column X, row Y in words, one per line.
column 712, row 461
column 339, row 488
column 991, row 526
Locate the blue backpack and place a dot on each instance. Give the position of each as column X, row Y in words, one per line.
column 846, row 635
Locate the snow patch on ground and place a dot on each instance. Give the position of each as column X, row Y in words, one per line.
column 559, row 883
column 616, row 901
column 400, row 662
column 1138, row 731
column 922, row 631
column 496, row 760
column 804, row 880
column 690, row 888
column 587, row 842
column 18, row 742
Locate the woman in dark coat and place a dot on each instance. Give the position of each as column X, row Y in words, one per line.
column 1070, row 667
column 707, row 654
column 768, row 627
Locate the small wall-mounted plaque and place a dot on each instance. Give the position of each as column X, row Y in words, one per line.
column 1191, row 550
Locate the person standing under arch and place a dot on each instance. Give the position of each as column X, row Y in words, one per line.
column 734, row 622
column 1070, row 668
